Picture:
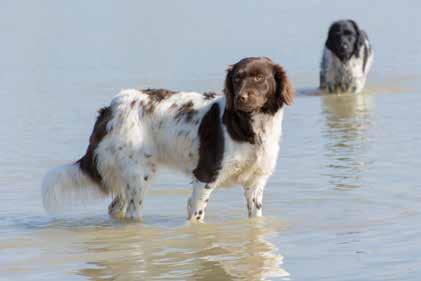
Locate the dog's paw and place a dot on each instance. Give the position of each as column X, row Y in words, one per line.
column 197, row 216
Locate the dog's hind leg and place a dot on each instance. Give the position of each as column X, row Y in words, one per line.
column 117, row 208
column 198, row 201
column 136, row 178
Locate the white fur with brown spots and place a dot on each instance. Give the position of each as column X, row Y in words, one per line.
column 144, row 131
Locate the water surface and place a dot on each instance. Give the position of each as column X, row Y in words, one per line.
column 343, row 203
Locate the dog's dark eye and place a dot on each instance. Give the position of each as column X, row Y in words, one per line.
column 237, row 79
column 259, row 78
column 347, row 32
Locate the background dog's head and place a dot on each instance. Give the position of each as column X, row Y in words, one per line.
column 257, row 85
column 344, row 39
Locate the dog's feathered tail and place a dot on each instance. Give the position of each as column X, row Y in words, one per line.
column 80, row 181
column 68, row 184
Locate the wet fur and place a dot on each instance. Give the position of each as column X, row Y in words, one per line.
column 201, row 135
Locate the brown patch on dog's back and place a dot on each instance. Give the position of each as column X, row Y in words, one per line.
column 158, row 95
column 88, row 162
column 211, row 149
column 155, row 97
column 187, row 111
column 209, row 95
column 149, row 107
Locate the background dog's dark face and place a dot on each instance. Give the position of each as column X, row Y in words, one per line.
column 343, row 39
column 257, row 84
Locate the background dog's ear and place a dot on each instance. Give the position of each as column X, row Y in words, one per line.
column 284, row 89
column 359, row 43
column 229, row 89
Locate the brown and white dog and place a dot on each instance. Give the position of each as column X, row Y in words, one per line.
column 217, row 140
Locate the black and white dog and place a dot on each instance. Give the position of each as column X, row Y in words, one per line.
column 217, row 140
column 347, row 58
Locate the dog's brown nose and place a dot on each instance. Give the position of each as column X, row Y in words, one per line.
column 243, row 97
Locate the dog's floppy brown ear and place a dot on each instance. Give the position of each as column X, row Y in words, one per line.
column 229, row 88
column 284, row 89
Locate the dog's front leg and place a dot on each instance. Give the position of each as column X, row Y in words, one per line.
column 198, row 201
column 253, row 192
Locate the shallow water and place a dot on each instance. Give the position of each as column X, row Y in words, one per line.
column 343, row 203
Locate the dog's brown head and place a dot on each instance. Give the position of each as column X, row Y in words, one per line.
column 257, row 85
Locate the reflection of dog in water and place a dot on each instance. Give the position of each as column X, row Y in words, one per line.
column 348, row 120
column 207, row 252
column 214, row 139
column 347, row 58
